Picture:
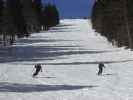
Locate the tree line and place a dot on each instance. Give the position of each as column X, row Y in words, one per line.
column 20, row 18
column 114, row 20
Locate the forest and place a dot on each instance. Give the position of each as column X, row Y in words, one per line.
column 114, row 20
column 20, row 18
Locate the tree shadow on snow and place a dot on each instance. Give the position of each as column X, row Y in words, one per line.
column 32, row 53
column 26, row 88
column 24, row 50
column 37, row 40
column 61, row 28
column 84, row 63
column 35, row 53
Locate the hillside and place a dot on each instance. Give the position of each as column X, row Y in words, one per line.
column 69, row 54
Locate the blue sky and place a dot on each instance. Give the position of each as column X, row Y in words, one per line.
column 73, row 8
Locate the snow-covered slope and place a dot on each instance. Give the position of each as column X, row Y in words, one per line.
column 69, row 54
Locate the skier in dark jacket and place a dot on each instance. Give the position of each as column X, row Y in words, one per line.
column 38, row 68
column 100, row 66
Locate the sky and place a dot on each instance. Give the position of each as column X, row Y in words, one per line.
column 73, row 8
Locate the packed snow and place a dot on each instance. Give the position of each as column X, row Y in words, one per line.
column 69, row 54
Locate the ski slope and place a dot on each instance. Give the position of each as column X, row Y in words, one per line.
column 69, row 54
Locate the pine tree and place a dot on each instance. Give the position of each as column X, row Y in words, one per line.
column 50, row 16
column 29, row 16
column 114, row 20
column 1, row 8
column 8, row 26
column 12, row 20
column 18, row 18
column 37, row 7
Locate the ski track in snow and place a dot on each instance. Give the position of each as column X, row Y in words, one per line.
column 69, row 54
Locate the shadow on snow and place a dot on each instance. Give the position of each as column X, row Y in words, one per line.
column 36, row 40
column 82, row 63
column 36, row 53
column 16, row 87
column 25, row 51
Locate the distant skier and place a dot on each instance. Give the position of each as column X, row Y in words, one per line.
column 38, row 68
column 100, row 66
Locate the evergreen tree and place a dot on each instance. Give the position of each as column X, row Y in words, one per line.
column 1, row 8
column 18, row 19
column 12, row 20
column 56, row 15
column 30, row 16
column 21, row 17
column 114, row 19
column 50, row 16
column 8, row 26
column 37, row 7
